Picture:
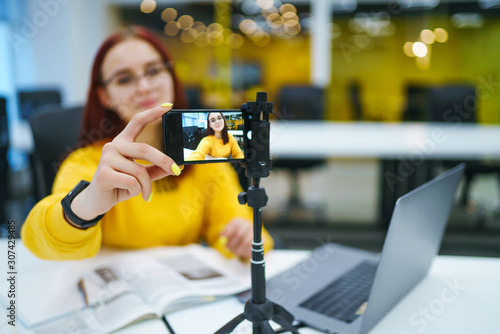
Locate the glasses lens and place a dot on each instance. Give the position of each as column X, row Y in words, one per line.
column 213, row 120
column 126, row 81
column 155, row 70
column 123, row 80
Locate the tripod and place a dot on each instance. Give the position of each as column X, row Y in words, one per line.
column 258, row 309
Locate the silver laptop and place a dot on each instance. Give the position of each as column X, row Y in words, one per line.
column 346, row 290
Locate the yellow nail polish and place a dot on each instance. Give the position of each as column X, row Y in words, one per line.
column 181, row 167
column 166, row 105
column 221, row 246
column 150, row 197
column 175, row 169
column 222, row 241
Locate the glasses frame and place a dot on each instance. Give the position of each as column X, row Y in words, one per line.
column 168, row 69
column 217, row 119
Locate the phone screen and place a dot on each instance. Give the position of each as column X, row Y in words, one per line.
column 204, row 136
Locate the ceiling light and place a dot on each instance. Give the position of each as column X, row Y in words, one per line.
column 419, row 49
column 168, row 14
column 427, row 36
column 441, row 35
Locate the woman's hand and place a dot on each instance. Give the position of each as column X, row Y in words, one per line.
column 239, row 234
column 118, row 177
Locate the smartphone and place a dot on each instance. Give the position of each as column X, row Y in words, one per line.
column 197, row 136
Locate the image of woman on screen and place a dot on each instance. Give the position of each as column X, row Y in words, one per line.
column 218, row 143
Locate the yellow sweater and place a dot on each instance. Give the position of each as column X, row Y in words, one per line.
column 186, row 209
column 216, row 148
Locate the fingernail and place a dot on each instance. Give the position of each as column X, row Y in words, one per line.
column 181, row 167
column 222, row 241
column 166, row 105
column 175, row 169
column 150, row 197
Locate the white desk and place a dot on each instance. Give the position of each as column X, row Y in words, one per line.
column 317, row 139
column 313, row 139
column 404, row 148
column 432, row 307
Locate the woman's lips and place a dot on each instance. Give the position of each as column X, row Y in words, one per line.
column 148, row 104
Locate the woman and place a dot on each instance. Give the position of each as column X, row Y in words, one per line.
column 131, row 76
column 218, row 143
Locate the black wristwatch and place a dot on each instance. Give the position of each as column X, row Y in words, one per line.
column 66, row 205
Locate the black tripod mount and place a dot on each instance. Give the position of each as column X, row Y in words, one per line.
column 259, row 310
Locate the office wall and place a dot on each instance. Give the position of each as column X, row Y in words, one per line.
column 60, row 52
column 470, row 55
column 8, row 90
column 7, row 86
column 381, row 68
column 55, row 41
column 282, row 62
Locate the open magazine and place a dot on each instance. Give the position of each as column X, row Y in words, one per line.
column 125, row 289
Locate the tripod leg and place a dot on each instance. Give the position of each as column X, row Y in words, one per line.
column 265, row 328
column 284, row 318
column 230, row 326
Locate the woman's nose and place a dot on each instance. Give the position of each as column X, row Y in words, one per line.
column 143, row 84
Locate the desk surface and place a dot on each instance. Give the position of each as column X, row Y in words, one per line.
column 313, row 139
column 316, row 139
column 460, row 295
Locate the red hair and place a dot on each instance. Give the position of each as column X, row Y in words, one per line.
column 211, row 132
column 98, row 121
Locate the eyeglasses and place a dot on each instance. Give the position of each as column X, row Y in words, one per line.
column 216, row 119
column 126, row 80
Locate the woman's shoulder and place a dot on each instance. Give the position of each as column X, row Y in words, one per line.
column 91, row 152
column 78, row 165
column 231, row 137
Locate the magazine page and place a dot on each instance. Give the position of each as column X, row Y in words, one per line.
column 129, row 287
column 208, row 272
column 178, row 277
column 112, row 303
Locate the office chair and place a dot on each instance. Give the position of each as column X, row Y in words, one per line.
column 354, row 94
column 55, row 134
column 31, row 100
column 417, row 99
column 416, row 110
column 191, row 137
column 442, row 101
column 299, row 103
column 193, row 95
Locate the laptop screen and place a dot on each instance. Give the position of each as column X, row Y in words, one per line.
column 412, row 241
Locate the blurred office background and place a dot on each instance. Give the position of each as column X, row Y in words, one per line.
column 331, row 60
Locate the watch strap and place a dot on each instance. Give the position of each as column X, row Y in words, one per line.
column 66, row 205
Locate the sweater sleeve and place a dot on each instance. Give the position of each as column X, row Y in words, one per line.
column 236, row 152
column 223, row 205
column 46, row 233
column 201, row 151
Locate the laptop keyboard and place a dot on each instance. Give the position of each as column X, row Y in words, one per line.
column 343, row 297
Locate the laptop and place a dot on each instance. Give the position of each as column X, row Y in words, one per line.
column 345, row 290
